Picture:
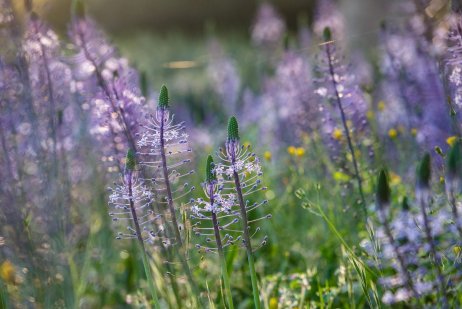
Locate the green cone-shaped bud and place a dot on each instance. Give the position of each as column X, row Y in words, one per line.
column 163, row 97
column 424, row 172
column 383, row 191
column 405, row 204
column 210, row 174
column 144, row 84
column 79, row 8
column 327, row 34
column 454, row 160
column 233, row 129
column 130, row 160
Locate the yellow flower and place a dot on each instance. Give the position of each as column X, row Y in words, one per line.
column 451, row 140
column 246, row 144
column 381, row 105
column 299, row 152
column 392, row 133
column 7, row 272
column 413, row 131
column 457, row 250
column 291, row 150
column 395, row 179
column 267, row 155
column 273, row 303
column 370, row 114
column 337, row 134
column 341, row 177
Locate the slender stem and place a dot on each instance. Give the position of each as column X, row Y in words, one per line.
column 399, row 256
column 224, row 270
column 431, row 243
column 248, row 245
column 172, row 210
column 347, row 131
column 147, row 267
column 455, row 212
column 167, row 181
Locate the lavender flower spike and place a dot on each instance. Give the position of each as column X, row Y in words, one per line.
column 212, row 210
column 131, row 202
column 239, row 176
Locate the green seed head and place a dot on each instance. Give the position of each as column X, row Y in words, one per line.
column 130, row 160
column 210, row 174
column 424, row 171
column 163, row 98
column 233, row 129
column 454, row 160
column 405, row 204
column 383, row 191
column 327, row 34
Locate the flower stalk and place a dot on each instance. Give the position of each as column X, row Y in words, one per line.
column 232, row 145
column 210, row 185
column 337, row 97
column 423, row 195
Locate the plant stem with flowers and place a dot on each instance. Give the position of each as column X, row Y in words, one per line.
column 232, row 145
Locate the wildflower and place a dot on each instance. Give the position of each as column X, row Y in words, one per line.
column 337, row 134
column 160, row 139
column 239, row 176
column 273, row 303
column 381, row 105
column 392, row 133
column 292, row 150
column 451, row 140
column 7, row 272
column 395, row 179
column 268, row 28
column 341, row 177
column 414, row 131
column 267, row 155
column 299, row 152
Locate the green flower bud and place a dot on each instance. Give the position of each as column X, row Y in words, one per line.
column 383, row 192
column 163, row 98
column 130, row 160
column 79, row 9
column 144, row 84
column 424, row 172
column 210, row 174
column 454, row 160
column 327, row 34
column 233, row 129
column 405, row 204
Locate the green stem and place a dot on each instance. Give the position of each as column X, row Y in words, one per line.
column 248, row 245
column 147, row 267
column 224, row 270
column 147, row 270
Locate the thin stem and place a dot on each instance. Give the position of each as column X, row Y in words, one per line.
column 147, row 267
column 172, row 209
column 399, row 256
column 347, row 131
column 248, row 245
column 455, row 212
column 224, row 270
column 431, row 243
